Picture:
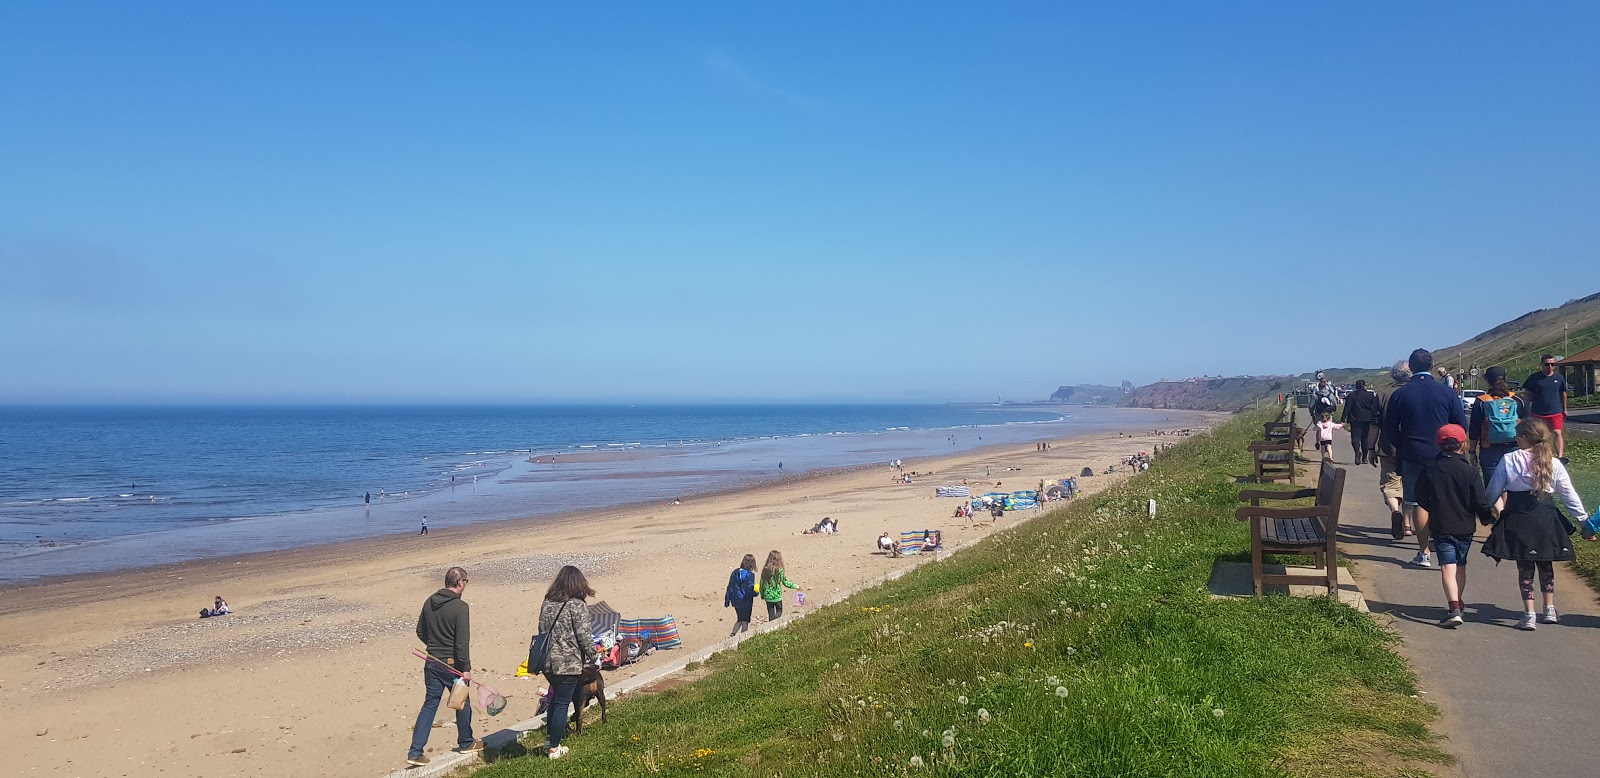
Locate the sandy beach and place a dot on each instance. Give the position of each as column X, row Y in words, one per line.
column 312, row 675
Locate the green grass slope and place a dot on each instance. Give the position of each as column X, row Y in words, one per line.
column 1082, row 643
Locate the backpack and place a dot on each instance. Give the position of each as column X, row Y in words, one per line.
column 1500, row 414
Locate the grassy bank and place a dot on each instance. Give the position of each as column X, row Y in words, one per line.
column 1080, row 644
column 1583, row 455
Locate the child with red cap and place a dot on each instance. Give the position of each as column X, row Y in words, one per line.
column 1450, row 503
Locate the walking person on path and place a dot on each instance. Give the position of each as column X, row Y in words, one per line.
column 1546, row 392
column 565, row 618
column 773, row 580
column 741, row 593
column 1528, row 528
column 1411, row 421
column 444, row 629
column 1325, row 429
column 1387, row 461
column 1361, row 409
column 1494, row 421
column 1451, row 502
column 1324, row 398
column 424, row 526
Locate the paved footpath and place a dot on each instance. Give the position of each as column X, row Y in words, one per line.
column 1513, row 702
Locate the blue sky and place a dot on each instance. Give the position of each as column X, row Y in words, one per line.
column 774, row 201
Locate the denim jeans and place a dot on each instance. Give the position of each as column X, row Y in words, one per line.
column 562, row 687
column 438, row 681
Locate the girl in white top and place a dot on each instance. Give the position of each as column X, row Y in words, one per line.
column 1527, row 528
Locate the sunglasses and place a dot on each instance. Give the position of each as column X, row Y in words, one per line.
column 1549, row 364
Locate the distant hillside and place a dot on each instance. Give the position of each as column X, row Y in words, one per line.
column 1210, row 394
column 1514, row 345
column 1517, row 344
column 1088, row 394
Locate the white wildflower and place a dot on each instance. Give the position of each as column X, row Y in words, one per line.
column 983, row 715
column 962, row 699
column 916, row 761
column 1217, row 712
column 1061, row 691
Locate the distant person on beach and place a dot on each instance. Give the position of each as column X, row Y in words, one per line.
column 565, row 618
column 1451, row 502
column 1411, row 421
column 773, row 580
column 1360, row 411
column 1387, row 461
column 741, row 593
column 424, row 526
column 886, row 543
column 220, row 606
column 1529, row 529
column 445, row 632
column 1494, row 422
column 369, row 498
column 1547, row 397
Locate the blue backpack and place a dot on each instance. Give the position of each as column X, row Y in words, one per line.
column 1501, row 414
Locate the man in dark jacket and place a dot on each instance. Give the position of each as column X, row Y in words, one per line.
column 444, row 629
column 1450, row 503
column 1411, row 422
column 1360, row 411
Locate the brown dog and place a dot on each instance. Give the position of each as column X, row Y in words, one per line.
column 591, row 685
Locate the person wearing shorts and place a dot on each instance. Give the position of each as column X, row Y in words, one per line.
column 1450, row 503
column 1385, row 458
column 1546, row 392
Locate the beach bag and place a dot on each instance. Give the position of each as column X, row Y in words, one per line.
column 539, row 647
column 458, row 695
column 1501, row 415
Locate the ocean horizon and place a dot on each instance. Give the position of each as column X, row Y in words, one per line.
column 102, row 488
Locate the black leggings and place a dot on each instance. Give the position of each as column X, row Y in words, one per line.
column 1547, row 577
column 774, row 610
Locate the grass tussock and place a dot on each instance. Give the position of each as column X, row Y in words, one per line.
column 1079, row 644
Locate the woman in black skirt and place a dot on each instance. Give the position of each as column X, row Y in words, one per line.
column 1529, row 530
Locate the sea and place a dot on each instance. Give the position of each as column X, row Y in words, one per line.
column 96, row 489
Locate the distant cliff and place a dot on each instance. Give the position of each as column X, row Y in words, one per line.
column 1210, row 394
column 1088, row 394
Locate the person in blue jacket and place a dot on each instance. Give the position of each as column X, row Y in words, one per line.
column 1411, row 423
column 741, row 594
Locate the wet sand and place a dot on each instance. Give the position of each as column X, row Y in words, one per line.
column 313, row 675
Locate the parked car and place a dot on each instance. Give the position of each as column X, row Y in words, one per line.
column 1468, row 397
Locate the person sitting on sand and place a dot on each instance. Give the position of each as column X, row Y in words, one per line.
column 220, row 607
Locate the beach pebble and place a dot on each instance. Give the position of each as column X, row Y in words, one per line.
column 41, row 733
column 237, row 751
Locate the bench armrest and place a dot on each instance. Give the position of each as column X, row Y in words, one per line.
column 1263, row 494
column 1313, row 512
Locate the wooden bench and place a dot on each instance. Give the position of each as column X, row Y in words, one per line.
column 1274, row 461
column 1312, row 531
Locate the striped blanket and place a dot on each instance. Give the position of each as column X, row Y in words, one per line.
column 659, row 633
column 952, row 491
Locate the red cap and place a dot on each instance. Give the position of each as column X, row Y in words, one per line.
column 1450, row 432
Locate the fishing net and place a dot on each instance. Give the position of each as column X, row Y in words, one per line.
column 491, row 700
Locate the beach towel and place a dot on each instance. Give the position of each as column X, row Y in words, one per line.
column 659, row 633
column 953, row 491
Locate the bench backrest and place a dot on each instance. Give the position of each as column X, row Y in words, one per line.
column 1278, row 430
column 1330, row 492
